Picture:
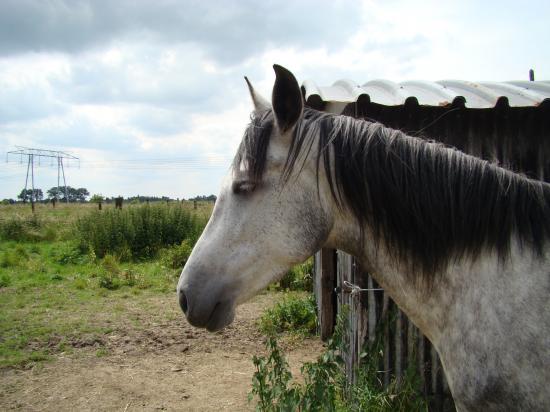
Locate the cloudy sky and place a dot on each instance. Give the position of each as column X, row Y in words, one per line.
column 150, row 94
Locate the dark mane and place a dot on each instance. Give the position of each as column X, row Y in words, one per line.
column 427, row 203
column 252, row 152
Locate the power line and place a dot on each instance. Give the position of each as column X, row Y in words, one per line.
column 205, row 162
column 32, row 154
column 184, row 163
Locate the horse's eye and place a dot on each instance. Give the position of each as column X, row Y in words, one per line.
column 243, row 187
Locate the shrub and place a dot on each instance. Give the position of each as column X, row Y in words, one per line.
column 137, row 232
column 176, row 257
column 67, row 254
column 5, row 280
column 26, row 228
column 295, row 313
column 300, row 277
column 112, row 277
column 12, row 229
column 270, row 382
column 110, row 264
column 129, row 277
column 108, row 280
column 108, row 277
column 49, row 234
column 14, row 257
column 80, row 283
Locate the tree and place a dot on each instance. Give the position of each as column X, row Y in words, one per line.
column 97, row 198
column 74, row 195
column 81, row 194
column 211, row 198
column 27, row 195
column 56, row 193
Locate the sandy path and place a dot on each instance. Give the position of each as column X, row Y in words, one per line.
column 158, row 366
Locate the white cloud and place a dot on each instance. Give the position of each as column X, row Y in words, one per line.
column 164, row 80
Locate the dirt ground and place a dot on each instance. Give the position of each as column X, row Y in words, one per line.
column 165, row 365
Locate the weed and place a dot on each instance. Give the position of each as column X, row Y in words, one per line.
column 101, row 352
column 137, row 232
column 109, row 280
column 299, row 277
column 37, row 266
column 175, row 257
column 129, row 277
column 12, row 229
column 295, row 313
column 14, row 257
column 5, row 280
column 38, row 356
column 80, row 283
column 21, row 251
column 112, row 277
column 325, row 387
column 8, row 259
column 369, row 391
column 26, row 228
column 110, row 264
column 270, row 382
column 48, row 235
column 67, row 253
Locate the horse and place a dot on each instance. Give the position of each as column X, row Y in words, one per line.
column 459, row 243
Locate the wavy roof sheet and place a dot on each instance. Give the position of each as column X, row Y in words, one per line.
column 481, row 95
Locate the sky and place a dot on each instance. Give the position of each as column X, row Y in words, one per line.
column 150, row 95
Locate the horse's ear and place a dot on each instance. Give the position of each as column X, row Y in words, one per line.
column 259, row 102
column 287, row 98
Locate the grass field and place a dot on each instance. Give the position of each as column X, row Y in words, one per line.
column 57, row 293
column 95, row 293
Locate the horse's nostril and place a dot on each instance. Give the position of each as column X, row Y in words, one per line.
column 183, row 301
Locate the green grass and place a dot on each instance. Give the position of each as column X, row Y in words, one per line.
column 50, row 296
column 54, row 295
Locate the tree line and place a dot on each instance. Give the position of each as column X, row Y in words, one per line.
column 71, row 194
column 81, row 194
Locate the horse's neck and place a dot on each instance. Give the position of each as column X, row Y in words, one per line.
column 487, row 317
column 464, row 286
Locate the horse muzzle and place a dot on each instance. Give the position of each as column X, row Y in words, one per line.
column 206, row 310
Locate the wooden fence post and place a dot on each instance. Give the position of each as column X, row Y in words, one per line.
column 325, row 282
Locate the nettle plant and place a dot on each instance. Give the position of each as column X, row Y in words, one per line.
column 325, row 386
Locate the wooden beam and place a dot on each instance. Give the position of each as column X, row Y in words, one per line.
column 326, row 297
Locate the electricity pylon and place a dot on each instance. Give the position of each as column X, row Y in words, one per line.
column 33, row 154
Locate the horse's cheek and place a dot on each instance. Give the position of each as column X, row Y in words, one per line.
column 311, row 224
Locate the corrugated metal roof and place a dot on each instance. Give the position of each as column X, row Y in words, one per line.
column 479, row 95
